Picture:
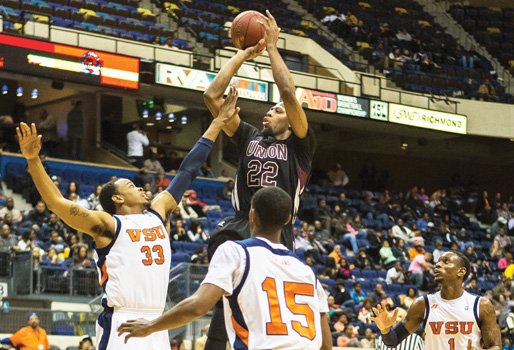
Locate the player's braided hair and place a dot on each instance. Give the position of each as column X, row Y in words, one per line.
column 108, row 190
column 273, row 206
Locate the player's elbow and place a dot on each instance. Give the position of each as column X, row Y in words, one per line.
column 208, row 97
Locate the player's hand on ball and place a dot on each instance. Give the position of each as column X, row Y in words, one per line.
column 30, row 141
column 255, row 51
column 383, row 319
column 228, row 109
column 271, row 30
column 135, row 328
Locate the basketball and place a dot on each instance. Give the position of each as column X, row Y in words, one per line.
column 246, row 31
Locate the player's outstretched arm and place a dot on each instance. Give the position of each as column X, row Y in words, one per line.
column 213, row 96
column 283, row 78
column 97, row 224
column 392, row 336
column 184, row 312
column 166, row 201
column 491, row 334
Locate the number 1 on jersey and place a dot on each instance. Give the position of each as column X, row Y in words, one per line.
column 451, row 342
column 291, row 290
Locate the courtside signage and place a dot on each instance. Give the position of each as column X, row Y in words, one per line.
column 57, row 61
column 378, row 110
column 199, row 80
column 427, row 119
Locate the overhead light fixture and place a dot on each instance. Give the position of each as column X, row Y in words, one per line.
column 19, row 91
column 150, row 124
column 183, row 120
column 158, row 116
column 35, row 94
column 145, row 113
column 169, row 127
column 5, row 89
column 171, row 117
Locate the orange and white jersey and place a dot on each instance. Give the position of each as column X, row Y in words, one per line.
column 450, row 324
column 272, row 300
column 134, row 269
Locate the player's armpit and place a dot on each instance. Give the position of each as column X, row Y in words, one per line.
column 97, row 224
column 164, row 204
column 415, row 315
column 491, row 334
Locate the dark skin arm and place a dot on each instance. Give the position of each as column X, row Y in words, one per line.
column 326, row 334
column 491, row 334
column 184, row 312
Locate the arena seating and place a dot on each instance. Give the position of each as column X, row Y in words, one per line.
column 493, row 28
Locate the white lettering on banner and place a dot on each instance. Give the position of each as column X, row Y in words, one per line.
column 353, row 106
column 428, row 119
column 200, row 80
column 378, row 110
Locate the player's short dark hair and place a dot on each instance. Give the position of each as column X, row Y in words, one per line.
column 464, row 262
column 273, row 206
column 108, row 190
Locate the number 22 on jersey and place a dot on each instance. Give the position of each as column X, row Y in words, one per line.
column 276, row 304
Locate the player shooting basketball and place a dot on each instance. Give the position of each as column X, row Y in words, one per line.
column 279, row 155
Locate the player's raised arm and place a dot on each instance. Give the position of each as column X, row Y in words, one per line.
column 213, row 96
column 392, row 336
column 166, row 201
column 283, row 79
column 491, row 334
column 97, row 224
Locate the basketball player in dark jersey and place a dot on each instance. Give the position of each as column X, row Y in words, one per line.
column 278, row 155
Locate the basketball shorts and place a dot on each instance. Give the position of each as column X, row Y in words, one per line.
column 107, row 331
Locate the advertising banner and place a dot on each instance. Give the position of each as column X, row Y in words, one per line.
column 199, row 80
column 69, row 63
column 378, row 110
column 428, row 119
column 353, row 106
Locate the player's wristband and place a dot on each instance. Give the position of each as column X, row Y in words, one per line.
column 395, row 336
column 189, row 168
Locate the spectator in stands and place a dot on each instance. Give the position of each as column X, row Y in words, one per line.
column 351, row 19
column 336, row 254
column 57, row 242
column 86, row 343
column 338, row 176
column 438, row 251
column 73, row 188
column 179, row 232
column 200, row 342
column 403, row 36
column 379, row 56
column 152, row 163
column 504, row 262
column 396, row 274
column 52, row 258
column 32, row 337
column 496, row 251
column 349, row 338
column 205, row 171
column 387, row 256
column 403, row 232
column 186, row 211
column 366, row 312
column 53, row 224
column 486, row 91
column 197, row 233
column 341, row 323
column 362, row 261
column 369, row 339
column 8, row 241
column 406, row 300
column 161, row 180
column 48, row 128
column 136, row 141
column 416, row 250
column 379, row 295
column 39, row 215
column 10, row 209
column 26, row 243
column 418, row 266
column 197, row 204
column 323, row 213
column 335, row 22
column 76, row 130
column 322, row 236
column 357, row 293
column 342, row 270
column 503, row 239
column 472, row 286
column 81, row 259
column 93, row 200
column 341, row 295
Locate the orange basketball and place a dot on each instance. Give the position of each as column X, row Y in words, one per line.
column 246, row 31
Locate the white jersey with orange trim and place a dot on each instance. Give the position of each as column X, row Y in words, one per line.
column 134, row 269
column 272, row 299
column 450, row 324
